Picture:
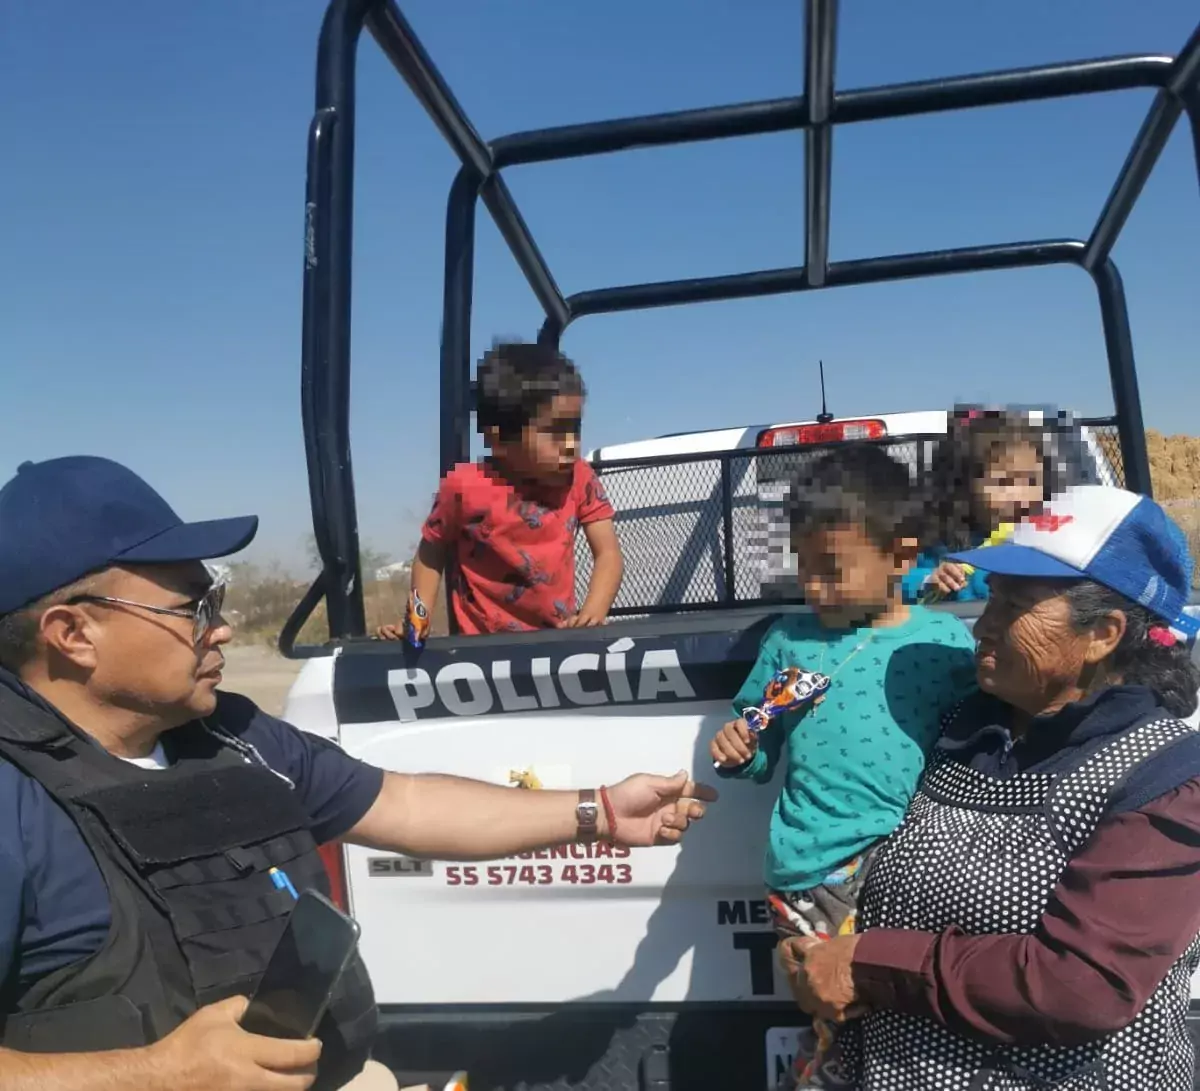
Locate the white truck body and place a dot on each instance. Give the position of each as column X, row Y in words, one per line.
column 582, row 926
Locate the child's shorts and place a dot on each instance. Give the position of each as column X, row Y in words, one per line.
column 823, row 911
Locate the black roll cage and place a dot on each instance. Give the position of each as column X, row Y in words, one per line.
column 325, row 364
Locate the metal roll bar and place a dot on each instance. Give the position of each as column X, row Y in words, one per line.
column 325, row 371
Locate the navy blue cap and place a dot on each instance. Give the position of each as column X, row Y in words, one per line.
column 63, row 519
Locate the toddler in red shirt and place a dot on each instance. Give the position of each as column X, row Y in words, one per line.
column 503, row 529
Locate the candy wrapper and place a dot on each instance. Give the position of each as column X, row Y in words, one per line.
column 416, row 621
column 789, row 689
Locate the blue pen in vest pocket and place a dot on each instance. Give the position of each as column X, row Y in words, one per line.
column 282, row 882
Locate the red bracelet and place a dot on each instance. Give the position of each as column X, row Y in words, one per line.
column 609, row 813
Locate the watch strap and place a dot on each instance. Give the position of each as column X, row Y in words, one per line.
column 587, row 816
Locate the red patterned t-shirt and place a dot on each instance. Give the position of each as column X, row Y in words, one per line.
column 511, row 553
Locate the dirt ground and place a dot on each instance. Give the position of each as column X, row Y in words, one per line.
column 261, row 673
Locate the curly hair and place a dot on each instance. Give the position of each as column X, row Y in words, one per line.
column 1169, row 671
column 516, row 381
column 966, row 454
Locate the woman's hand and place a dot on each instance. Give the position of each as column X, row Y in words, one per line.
column 818, row 972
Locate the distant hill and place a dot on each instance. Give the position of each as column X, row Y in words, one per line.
column 1174, row 466
column 1175, row 471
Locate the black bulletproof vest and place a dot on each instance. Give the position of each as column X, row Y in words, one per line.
column 185, row 853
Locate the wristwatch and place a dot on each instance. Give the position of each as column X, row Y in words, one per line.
column 587, row 816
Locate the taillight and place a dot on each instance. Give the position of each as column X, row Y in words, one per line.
column 842, row 431
column 335, row 868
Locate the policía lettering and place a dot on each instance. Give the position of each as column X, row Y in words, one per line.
column 581, row 680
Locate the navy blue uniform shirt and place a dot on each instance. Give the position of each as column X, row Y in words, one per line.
column 54, row 907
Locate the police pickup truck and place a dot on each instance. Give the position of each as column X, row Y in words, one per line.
column 584, row 966
column 591, row 967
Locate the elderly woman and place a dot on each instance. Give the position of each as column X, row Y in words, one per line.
column 1033, row 922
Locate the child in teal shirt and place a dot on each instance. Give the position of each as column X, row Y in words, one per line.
column 853, row 760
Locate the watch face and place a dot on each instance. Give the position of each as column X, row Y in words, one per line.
column 587, row 813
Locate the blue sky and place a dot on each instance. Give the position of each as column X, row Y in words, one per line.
column 153, row 190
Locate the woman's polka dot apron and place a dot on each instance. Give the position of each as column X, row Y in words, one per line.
column 986, row 854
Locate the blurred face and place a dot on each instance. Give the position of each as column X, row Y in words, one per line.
column 152, row 663
column 1027, row 652
column 846, row 578
column 1011, row 488
column 548, row 447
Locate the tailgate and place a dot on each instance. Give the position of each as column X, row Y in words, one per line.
column 580, row 923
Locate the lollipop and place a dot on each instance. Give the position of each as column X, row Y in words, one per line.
column 789, row 689
column 416, row 621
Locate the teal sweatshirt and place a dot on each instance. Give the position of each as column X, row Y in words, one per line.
column 853, row 761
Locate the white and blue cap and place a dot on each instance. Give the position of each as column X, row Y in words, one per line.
column 1116, row 538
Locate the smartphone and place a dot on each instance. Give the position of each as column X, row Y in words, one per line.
column 299, row 980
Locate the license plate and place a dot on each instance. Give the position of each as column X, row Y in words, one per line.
column 783, row 1043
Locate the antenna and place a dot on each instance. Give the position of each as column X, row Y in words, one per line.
column 825, row 417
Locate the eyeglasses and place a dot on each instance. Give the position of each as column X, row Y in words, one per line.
column 204, row 615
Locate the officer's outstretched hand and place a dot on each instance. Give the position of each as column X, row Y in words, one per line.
column 211, row 1052
column 652, row 810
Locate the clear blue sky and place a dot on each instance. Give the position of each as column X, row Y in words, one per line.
column 153, row 188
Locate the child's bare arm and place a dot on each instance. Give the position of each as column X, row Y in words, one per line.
column 608, row 567
column 427, row 569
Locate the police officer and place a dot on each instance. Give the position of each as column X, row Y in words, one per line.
column 142, row 810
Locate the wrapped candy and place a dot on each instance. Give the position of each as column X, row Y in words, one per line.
column 789, row 689
column 416, row 621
